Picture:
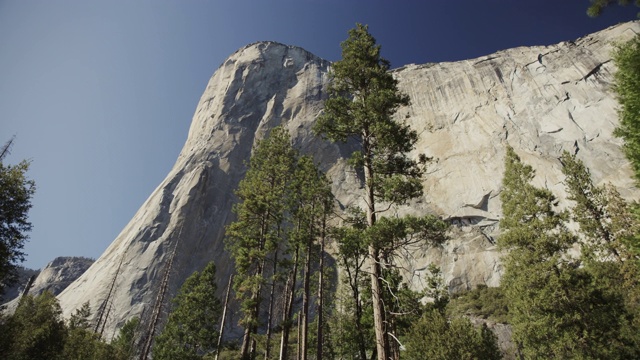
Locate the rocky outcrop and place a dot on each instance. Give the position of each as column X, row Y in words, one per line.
column 60, row 273
column 55, row 277
column 540, row 100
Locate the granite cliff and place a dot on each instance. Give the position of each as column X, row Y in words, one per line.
column 540, row 100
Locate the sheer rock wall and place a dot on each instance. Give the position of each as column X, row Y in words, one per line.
column 540, row 100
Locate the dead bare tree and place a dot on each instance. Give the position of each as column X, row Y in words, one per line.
column 6, row 148
column 106, row 304
column 224, row 316
column 27, row 287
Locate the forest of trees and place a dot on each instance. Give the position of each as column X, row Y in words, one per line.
column 316, row 281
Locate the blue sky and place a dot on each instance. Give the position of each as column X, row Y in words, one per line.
column 100, row 94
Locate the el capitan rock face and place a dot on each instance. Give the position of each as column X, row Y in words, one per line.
column 465, row 112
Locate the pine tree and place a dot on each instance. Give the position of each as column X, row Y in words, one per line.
column 16, row 191
column 627, row 89
column 124, row 344
column 364, row 96
column 609, row 245
column 37, row 329
column 281, row 217
column 313, row 197
column 255, row 237
column 434, row 336
column 192, row 327
column 556, row 307
column 605, row 228
column 81, row 342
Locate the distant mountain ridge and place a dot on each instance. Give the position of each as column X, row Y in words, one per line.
column 540, row 100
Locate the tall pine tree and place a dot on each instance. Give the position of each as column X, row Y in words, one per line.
column 364, row 97
column 282, row 214
column 254, row 237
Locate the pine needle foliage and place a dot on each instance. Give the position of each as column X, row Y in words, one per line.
column 557, row 308
column 192, row 327
column 16, row 191
column 260, row 215
column 598, row 6
column 284, row 203
column 627, row 88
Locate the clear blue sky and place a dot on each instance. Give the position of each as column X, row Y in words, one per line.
column 100, row 94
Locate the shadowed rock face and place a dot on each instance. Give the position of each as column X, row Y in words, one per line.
column 465, row 113
column 13, row 291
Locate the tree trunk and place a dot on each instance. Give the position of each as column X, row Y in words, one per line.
column 299, row 337
column 267, row 349
column 305, row 306
column 288, row 307
column 306, row 293
column 248, row 345
column 320, row 308
column 246, row 338
column 394, row 346
column 376, row 299
column 374, row 256
column 224, row 317
column 355, row 293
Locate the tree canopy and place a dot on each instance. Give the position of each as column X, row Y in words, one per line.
column 597, row 6
column 16, row 191
column 558, row 307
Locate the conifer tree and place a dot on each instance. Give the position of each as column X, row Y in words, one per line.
column 627, row 88
column 281, row 217
column 124, row 344
column 37, row 329
column 192, row 327
column 556, row 307
column 364, row 96
column 16, row 191
column 352, row 335
column 433, row 336
column 605, row 228
column 256, row 234
column 81, row 342
column 313, row 197
column 609, row 242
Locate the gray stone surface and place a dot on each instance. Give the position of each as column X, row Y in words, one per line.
column 465, row 113
column 55, row 277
